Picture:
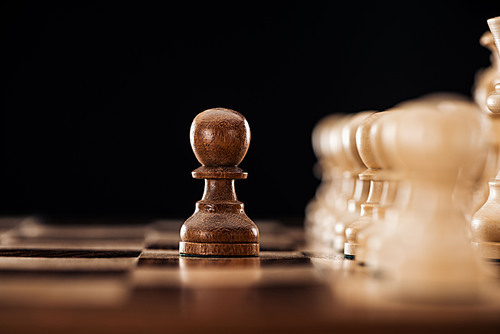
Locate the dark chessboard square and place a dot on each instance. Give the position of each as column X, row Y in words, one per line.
column 285, row 259
column 67, row 253
column 164, row 245
column 163, row 262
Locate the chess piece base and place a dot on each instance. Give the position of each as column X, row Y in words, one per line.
column 218, row 249
column 350, row 251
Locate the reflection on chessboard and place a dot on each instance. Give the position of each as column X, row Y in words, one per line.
column 129, row 277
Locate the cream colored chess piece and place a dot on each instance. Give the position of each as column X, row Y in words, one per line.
column 468, row 193
column 361, row 187
column 320, row 213
column 471, row 192
column 484, row 83
column 332, row 197
column 394, row 196
column 369, row 209
column 486, row 222
column 395, row 191
column 426, row 254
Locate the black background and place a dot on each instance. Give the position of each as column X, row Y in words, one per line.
column 98, row 98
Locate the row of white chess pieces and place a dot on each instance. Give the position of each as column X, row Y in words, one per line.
column 405, row 191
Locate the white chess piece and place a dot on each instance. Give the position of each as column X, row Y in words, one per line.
column 319, row 213
column 484, row 83
column 361, row 187
column 369, row 209
column 485, row 223
column 426, row 253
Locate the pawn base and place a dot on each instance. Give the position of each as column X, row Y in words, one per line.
column 218, row 249
column 350, row 251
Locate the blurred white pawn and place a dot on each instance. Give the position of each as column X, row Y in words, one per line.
column 471, row 192
column 361, row 187
column 319, row 213
column 394, row 197
column 426, row 253
column 337, row 187
column 369, row 208
column 383, row 188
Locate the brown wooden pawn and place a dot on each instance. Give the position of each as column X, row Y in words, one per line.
column 219, row 226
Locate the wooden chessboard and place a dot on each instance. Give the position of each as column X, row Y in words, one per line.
column 94, row 277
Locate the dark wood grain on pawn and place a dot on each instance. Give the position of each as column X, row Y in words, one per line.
column 219, row 226
column 220, row 137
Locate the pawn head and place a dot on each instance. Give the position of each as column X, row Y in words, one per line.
column 220, row 137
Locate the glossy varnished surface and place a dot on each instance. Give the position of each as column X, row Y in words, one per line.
column 219, row 226
column 220, row 137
